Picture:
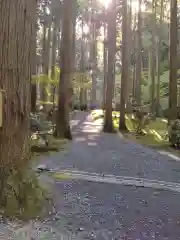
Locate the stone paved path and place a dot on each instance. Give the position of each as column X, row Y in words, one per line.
column 87, row 208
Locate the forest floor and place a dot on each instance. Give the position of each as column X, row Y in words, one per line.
column 107, row 187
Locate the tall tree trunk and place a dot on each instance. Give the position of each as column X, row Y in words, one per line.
column 44, row 36
column 138, row 58
column 173, row 62
column 73, row 48
column 129, row 54
column 34, row 65
column 159, row 56
column 62, row 121
column 108, row 124
column 125, row 67
column 16, row 24
column 47, row 65
column 149, row 72
column 93, row 61
column 82, row 92
column 105, row 64
column 56, row 24
column 153, row 57
column 54, row 49
column 58, row 57
column 134, row 59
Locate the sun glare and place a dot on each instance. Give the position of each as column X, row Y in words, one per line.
column 135, row 6
column 105, row 2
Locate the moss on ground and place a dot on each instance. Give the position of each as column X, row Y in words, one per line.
column 154, row 134
column 63, row 176
column 23, row 197
column 55, row 145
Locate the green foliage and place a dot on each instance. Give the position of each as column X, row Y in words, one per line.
column 43, row 78
column 174, row 133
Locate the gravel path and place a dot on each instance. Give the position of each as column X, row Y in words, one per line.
column 87, row 209
column 98, row 152
column 104, row 211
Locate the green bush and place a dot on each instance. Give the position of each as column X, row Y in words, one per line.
column 174, row 133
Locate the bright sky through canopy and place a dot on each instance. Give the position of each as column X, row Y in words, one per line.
column 105, row 2
column 135, row 5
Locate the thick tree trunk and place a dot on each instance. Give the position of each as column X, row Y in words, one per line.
column 105, row 65
column 16, row 24
column 93, row 63
column 129, row 52
column 47, row 66
column 62, row 121
column 82, row 92
column 56, row 24
column 44, row 36
column 33, row 65
column 173, row 62
column 149, row 71
column 58, row 58
column 108, row 124
column 153, row 57
column 73, row 48
column 138, row 59
column 33, row 97
column 159, row 56
column 125, row 67
column 134, row 59
column 54, row 48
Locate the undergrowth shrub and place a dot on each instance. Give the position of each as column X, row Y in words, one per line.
column 174, row 133
column 22, row 195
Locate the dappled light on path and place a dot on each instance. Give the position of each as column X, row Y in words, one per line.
column 88, row 130
column 80, row 139
column 92, row 144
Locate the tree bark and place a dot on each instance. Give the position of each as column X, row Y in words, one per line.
column 125, row 68
column 108, row 124
column 105, row 65
column 54, row 48
column 82, row 91
column 16, row 25
column 138, row 58
column 134, row 59
column 56, row 24
column 129, row 52
column 153, row 57
column 34, row 64
column 62, row 121
column 159, row 56
column 47, row 65
column 93, row 61
column 173, row 62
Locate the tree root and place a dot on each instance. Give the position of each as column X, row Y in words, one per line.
column 109, row 128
